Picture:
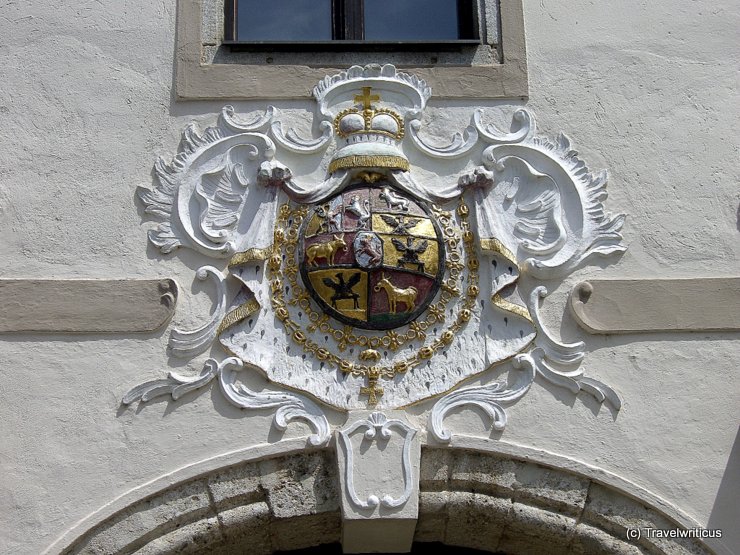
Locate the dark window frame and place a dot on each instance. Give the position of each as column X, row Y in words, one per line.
column 348, row 28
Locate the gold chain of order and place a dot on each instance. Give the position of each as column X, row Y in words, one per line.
column 391, row 339
column 286, row 239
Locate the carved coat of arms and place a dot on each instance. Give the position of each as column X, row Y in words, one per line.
column 395, row 271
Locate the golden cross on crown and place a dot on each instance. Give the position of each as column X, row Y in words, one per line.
column 366, row 98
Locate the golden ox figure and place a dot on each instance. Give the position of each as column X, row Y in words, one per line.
column 325, row 250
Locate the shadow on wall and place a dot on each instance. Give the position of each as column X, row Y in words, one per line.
column 724, row 515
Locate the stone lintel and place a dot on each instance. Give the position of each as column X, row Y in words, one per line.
column 653, row 305
column 86, row 305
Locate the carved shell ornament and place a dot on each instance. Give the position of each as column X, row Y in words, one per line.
column 381, row 282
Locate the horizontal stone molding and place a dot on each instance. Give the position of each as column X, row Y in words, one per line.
column 86, row 305
column 654, row 305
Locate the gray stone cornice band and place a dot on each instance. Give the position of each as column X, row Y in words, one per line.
column 86, row 305
column 653, row 305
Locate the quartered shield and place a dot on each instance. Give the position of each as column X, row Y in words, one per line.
column 372, row 257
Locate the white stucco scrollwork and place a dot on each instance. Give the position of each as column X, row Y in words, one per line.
column 492, row 398
column 460, row 144
column 212, row 169
column 229, row 120
column 567, row 357
column 293, row 142
column 553, row 205
column 288, row 406
column 184, row 344
column 407, row 88
column 522, row 119
column 548, row 206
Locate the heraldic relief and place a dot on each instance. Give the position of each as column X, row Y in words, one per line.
column 384, row 282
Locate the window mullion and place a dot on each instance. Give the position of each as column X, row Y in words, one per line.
column 354, row 19
column 230, row 19
column 337, row 18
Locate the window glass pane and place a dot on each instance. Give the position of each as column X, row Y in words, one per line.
column 411, row 20
column 284, row 20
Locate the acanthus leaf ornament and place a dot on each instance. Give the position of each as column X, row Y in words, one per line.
column 491, row 398
column 368, row 284
column 289, row 406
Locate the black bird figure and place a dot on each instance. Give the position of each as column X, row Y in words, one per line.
column 342, row 289
column 402, row 224
column 410, row 252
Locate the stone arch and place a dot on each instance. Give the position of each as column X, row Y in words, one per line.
column 468, row 498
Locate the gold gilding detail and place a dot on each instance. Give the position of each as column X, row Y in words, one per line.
column 370, row 177
column 370, row 354
column 354, row 303
column 422, row 227
column 373, row 391
column 428, row 260
column 326, row 250
column 401, row 366
column 366, row 98
column 369, row 161
column 494, row 245
column 405, row 296
column 503, row 304
column 368, row 113
column 251, row 255
column 242, row 312
column 289, row 222
column 367, row 116
column 315, row 225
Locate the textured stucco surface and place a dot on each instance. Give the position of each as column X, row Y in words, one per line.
column 645, row 89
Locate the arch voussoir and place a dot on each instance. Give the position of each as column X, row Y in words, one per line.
column 468, row 498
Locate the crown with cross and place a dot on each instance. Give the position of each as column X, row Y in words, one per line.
column 372, row 135
column 368, row 120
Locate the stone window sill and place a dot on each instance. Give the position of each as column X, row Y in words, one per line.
column 203, row 72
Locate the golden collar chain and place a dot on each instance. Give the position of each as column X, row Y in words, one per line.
column 283, row 275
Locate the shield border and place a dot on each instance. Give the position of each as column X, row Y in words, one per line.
column 331, row 312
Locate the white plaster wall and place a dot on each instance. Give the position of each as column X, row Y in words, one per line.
column 646, row 89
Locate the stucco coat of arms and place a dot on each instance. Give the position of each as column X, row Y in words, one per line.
column 382, row 284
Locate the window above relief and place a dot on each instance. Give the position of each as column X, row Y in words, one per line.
column 208, row 67
column 350, row 24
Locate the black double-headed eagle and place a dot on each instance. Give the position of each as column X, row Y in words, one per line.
column 401, row 224
column 410, row 252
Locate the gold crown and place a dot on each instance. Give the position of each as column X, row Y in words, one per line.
column 368, row 120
